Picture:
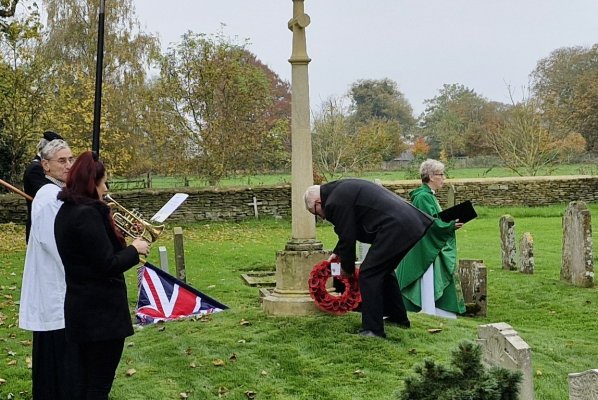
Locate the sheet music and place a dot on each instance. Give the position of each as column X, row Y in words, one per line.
column 169, row 207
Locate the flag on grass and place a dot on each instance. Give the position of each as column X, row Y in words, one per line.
column 162, row 297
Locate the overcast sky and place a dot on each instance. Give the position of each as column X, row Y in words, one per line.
column 485, row 45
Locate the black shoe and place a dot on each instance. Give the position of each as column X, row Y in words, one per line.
column 401, row 324
column 368, row 333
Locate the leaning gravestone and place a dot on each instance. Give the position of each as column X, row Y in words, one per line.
column 503, row 347
column 507, row 242
column 526, row 254
column 474, row 283
column 584, row 385
column 577, row 265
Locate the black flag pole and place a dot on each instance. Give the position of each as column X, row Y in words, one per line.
column 97, row 109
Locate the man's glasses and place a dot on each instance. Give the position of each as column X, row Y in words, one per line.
column 64, row 160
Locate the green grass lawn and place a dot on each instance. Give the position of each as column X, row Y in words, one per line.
column 320, row 357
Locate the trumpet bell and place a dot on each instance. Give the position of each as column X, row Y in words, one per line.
column 131, row 222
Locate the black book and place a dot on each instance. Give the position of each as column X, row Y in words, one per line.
column 464, row 212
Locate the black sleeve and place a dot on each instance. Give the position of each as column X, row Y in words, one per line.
column 96, row 244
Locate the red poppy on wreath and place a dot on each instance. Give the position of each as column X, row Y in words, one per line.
column 331, row 302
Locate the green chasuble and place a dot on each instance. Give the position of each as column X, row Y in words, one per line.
column 438, row 246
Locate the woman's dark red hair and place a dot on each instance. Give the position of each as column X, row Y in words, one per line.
column 81, row 186
column 83, row 178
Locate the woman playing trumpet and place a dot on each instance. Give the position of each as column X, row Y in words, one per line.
column 95, row 255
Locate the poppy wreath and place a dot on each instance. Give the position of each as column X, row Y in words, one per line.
column 333, row 303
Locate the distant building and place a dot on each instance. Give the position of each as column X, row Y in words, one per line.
column 403, row 160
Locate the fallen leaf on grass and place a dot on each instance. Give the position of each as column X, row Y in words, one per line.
column 12, row 362
column 184, row 395
column 25, row 342
column 193, row 365
column 264, row 373
column 233, row 357
column 2, row 381
column 222, row 391
column 250, row 394
column 412, row 351
column 538, row 372
column 434, row 330
column 244, row 322
column 131, row 372
column 359, row 373
column 29, row 362
column 218, row 362
column 242, row 341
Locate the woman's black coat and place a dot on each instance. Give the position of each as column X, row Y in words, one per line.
column 96, row 305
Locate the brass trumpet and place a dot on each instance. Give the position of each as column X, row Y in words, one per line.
column 131, row 223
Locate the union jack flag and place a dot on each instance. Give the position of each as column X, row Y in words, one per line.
column 162, row 297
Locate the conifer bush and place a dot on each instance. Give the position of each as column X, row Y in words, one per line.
column 466, row 379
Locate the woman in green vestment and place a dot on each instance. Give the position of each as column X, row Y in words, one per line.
column 427, row 276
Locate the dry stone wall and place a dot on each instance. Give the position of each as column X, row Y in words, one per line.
column 234, row 204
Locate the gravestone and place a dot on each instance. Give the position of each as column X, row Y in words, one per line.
column 507, row 242
column 584, row 385
column 503, row 347
column 474, row 284
column 450, row 196
column 526, row 254
column 577, row 265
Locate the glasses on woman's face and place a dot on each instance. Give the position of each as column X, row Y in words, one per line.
column 439, row 174
column 64, row 160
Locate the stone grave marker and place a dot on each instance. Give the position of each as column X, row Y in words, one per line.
column 503, row 347
column 474, row 282
column 577, row 265
column 526, row 254
column 507, row 242
column 584, row 385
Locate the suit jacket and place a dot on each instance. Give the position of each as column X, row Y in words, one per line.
column 363, row 211
column 33, row 179
column 96, row 306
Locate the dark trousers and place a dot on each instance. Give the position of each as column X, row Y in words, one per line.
column 52, row 369
column 98, row 363
column 380, row 295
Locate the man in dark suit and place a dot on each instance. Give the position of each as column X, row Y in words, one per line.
column 35, row 177
column 364, row 211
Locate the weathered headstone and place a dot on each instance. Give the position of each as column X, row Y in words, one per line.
column 450, row 196
column 503, row 347
column 507, row 242
column 526, row 254
column 577, row 265
column 474, row 284
column 584, row 385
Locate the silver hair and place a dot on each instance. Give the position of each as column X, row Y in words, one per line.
column 40, row 145
column 429, row 168
column 51, row 148
column 311, row 195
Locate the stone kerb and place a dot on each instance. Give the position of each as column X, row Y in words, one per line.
column 577, row 266
column 503, row 347
column 584, row 385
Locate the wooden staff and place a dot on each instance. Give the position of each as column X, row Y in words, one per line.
column 16, row 190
